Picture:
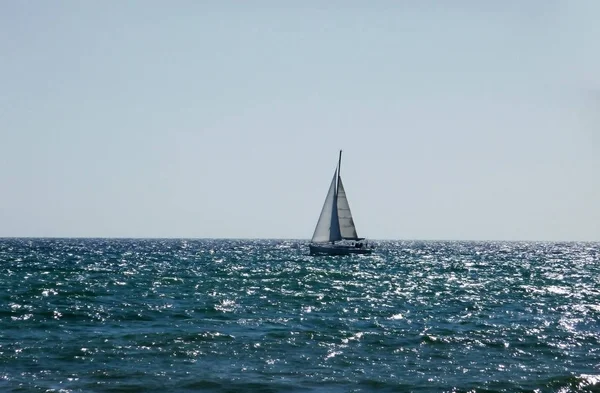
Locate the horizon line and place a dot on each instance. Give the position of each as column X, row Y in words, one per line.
column 286, row 239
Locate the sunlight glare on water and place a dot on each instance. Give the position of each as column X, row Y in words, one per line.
column 234, row 315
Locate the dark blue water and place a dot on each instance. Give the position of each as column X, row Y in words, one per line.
column 238, row 316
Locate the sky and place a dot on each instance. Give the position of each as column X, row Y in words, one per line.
column 462, row 120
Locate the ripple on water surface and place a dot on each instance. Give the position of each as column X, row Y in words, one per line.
column 226, row 315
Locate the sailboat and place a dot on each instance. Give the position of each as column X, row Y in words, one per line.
column 335, row 233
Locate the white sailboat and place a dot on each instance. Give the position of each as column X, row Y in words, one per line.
column 335, row 233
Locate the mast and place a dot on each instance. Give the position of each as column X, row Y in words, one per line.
column 335, row 219
column 337, row 186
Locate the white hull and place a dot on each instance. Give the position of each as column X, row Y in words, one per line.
column 338, row 249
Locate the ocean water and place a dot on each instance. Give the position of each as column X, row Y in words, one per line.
column 100, row 315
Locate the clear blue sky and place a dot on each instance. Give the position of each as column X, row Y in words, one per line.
column 459, row 120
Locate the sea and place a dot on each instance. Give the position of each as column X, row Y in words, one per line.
column 185, row 315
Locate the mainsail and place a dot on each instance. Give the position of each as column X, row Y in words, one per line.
column 347, row 228
column 335, row 222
